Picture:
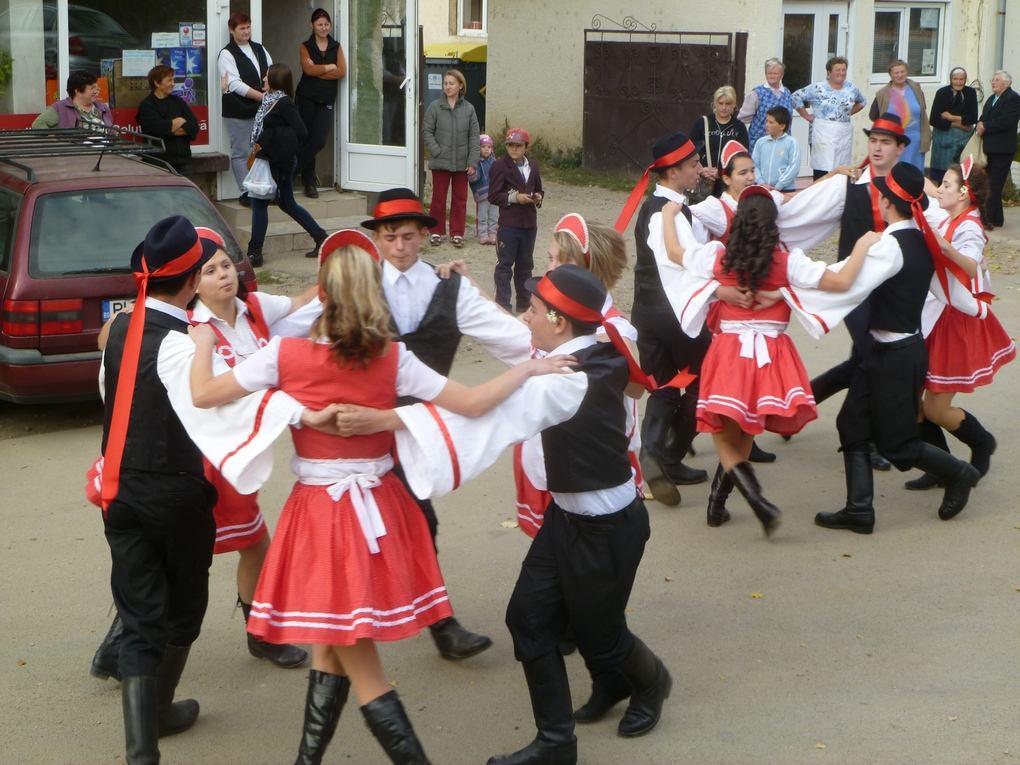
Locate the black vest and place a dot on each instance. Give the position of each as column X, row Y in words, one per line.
column 588, row 452
column 156, row 440
column 650, row 302
column 857, row 219
column 239, row 107
column 436, row 339
column 896, row 304
column 315, row 88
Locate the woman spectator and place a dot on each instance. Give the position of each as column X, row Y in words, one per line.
column 243, row 65
column 276, row 135
column 954, row 112
column 166, row 116
column 903, row 97
column 81, row 108
column 761, row 98
column 722, row 128
column 322, row 66
column 451, row 136
column 832, row 103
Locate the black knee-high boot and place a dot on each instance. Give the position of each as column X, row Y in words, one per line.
column 141, row 729
column 607, row 690
column 386, row 718
column 324, row 702
column 747, row 484
column 283, row 655
column 106, row 662
column 652, row 684
column 858, row 515
column 655, row 435
column 957, row 476
column 722, row 485
column 981, row 442
column 174, row 716
column 932, row 434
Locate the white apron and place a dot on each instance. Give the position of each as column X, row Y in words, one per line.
column 831, row 144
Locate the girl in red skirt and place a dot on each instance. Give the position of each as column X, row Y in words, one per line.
column 352, row 561
column 752, row 378
column 964, row 352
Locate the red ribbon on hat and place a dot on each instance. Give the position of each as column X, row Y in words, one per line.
column 889, row 125
column 941, row 261
column 398, row 207
column 631, row 205
column 117, row 434
column 552, row 296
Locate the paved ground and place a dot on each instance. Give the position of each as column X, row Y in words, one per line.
column 817, row 647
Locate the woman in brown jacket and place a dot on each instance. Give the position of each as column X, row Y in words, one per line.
column 322, row 66
column 904, row 98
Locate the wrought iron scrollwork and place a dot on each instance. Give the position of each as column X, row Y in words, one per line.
column 629, row 23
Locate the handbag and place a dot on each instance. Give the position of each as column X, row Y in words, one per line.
column 975, row 146
column 705, row 186
column 259, row 181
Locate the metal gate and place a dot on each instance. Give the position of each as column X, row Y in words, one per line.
column 641, row 84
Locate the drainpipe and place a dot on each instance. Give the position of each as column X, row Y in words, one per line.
column 1000, row 35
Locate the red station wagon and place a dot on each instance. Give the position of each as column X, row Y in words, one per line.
column 67, row 231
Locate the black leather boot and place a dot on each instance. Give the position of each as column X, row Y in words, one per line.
column 607, row 690
column 932, row 434
column 106, row 662
column 878, row 462
column 981, row 442
column 654, row 433
column 555, row 743
column 314, row 252
column 255, row 257
column 760, row 455
column 324, row 702
column 141, row 731
column 386, row 718
column 284, row 655
column 722, row 485
column 743, row 477
column 310, row 191
column 454, row 642
column 859, row 513
column 652, row 684
column 678, row 445
column 174, row 716
column 959, row 478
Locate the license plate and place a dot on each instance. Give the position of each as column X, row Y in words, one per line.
column 112, row 305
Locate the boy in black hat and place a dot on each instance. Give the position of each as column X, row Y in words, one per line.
column 581, row 565
column 884, row 397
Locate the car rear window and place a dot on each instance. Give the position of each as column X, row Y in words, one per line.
column 96, row 230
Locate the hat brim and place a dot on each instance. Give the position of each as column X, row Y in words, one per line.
column 209, row 248
column 426, row 220
column 532, row 286
column 902, row 139
column 883, row 189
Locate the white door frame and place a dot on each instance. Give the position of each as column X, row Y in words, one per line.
column 374, row 167
column 799, row 127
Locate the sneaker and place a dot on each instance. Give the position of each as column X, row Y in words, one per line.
column 457, row 241
column 435, row 240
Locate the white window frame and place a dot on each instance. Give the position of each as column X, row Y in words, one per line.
column 464, row 32
column 945, row 6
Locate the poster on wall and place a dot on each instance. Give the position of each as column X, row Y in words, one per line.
column 186, row 34
column 928, row 61
column 137, row 63
column 198, row 35
column 165, row 39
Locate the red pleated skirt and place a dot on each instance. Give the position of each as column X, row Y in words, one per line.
column 239, row 522
column 776, row 397
column 965, row 352
column 321, row 584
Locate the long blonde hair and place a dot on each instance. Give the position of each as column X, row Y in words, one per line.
column 355, row 317
column 607, row 253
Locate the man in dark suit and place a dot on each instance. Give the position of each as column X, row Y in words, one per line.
column 997, row 128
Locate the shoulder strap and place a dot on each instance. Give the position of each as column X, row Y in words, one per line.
column 258, row 318
column 708, row 143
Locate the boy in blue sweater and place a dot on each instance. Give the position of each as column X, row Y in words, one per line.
column 486, row 213
column 776, row 154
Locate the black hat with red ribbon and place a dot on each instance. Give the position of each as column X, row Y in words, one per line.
column 171, row 248
column 889, row 124
column 904, row 187
column 666, row 152
column 573, row 292
column 396, row 205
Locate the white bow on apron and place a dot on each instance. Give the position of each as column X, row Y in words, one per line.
column 752, row 336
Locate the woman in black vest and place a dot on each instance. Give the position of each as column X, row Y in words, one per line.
column 322, row 66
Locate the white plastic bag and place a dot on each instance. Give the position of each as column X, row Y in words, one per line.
column 259, row 181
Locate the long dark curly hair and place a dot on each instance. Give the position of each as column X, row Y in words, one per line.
column 753, row 239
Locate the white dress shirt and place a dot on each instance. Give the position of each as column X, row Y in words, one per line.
column 228, row 66
column 241, row 337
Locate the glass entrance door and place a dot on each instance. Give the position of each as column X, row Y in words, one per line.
column 379, row 120
column 812, row 34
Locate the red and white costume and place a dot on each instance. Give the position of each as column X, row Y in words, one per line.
column 752, row 373
column 239, row 522
column 964, row 351
column 352, row 557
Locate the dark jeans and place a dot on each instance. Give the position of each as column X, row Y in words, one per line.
column 285, row 199
column 161, row 533
column 579, row 571
column 998, row 171
column 515, row 257
column 318, row 119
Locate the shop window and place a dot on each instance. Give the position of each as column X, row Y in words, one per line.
column 471, row 15
column 28, row 59
column 377, row 73
column 910, row 31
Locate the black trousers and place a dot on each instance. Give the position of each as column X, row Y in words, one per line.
column 579, row 571
column 425, row 505
column 515, row 256
column 318, row 119
column 998, row 171
column 884, row 400
column 838, row 378
column 161, row 533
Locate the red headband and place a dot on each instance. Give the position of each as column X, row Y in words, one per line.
column 888, row 125
column 966, row 166
column 117, row 434
column 396, row 207
column 731, row 149
column 754, row 190
column 212, row 236
column 667, row 160
column 574, row 226
column 347, row 237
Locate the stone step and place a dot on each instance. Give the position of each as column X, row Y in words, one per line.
column 330, row 204
column 286, row 236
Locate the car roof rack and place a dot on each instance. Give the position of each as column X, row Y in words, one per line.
column 97, row 140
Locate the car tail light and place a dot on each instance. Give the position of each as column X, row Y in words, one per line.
column 61, row 317
column 20, row 318
column 75, row 46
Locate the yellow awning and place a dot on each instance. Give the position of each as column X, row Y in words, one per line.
column 465, row 51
